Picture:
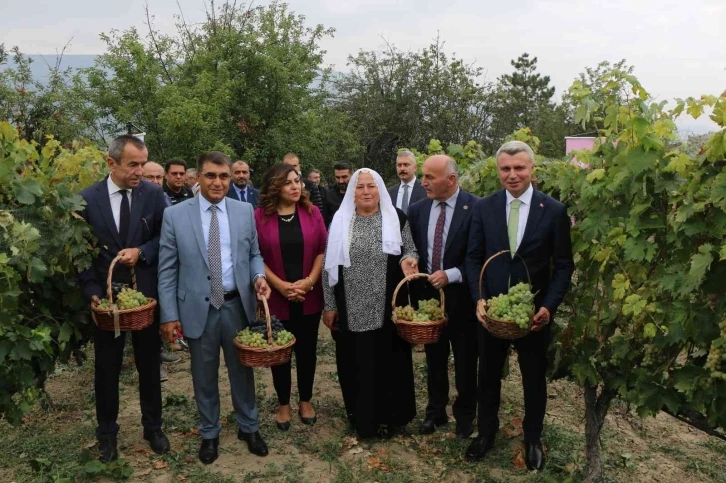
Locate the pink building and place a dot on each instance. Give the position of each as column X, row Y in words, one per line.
column 578, row 143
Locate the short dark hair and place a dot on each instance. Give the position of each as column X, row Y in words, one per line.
column 313, row 171
column 343, row 165
column 117, row 146
column 215, row 157
column 175, row 162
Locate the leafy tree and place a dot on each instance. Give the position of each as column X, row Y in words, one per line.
column 398, row 98
column 248, row 81
column 44, row 317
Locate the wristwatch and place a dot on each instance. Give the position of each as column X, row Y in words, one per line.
column 259, row 275
column 142, row 257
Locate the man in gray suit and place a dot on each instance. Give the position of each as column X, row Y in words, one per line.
column 409, row 190
column 206, row 279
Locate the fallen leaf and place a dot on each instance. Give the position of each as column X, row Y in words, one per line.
column 188, row 459
column 159, row 464
column 349, row 442
column 181, row 478
column 517, row 422
column 382, row 452
column 142, row 473
column 355, row 450
column 518, row 460
column 141, row 448
column 91, row 445
column 376, row 463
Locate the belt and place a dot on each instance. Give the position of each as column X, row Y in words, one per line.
column 232, row 294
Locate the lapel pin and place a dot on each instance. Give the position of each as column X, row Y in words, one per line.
column 466, row 207
column 541, row 205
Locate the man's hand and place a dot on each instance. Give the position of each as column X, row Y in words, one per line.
column 167, row 330
column 439, row 279
column 409, row 266
column 541, row 318
column 262, row 289
column 129, row 256
column 481, row 319
column 95, row 300
column 329, row 318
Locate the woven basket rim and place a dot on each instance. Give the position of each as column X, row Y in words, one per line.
column 420, row 323
column 264, row 350
column 150, row 303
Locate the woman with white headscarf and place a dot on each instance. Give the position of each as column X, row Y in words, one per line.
column 369, row 249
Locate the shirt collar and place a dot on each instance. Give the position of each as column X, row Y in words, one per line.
column 204, row 203
column 525, row 198
column 112, row 187
column 451, row 202
column 240, row 190
column 410, row 183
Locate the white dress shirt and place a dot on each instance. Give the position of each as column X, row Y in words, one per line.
column 453, row 274
column 399, row 197
column 115, row 197
column 241, row 193
column 225, row 239
column 526, row 199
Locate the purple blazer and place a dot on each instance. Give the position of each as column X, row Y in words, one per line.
column 314, row 237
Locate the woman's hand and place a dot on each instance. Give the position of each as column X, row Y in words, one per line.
column 290, row 291
column 329, row 319
column 409, row 266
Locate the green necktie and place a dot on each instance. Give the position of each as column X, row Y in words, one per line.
column 513, row 224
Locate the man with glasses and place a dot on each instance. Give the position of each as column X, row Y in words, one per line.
column 174, row 186
column 154, row 173
column 211, row 296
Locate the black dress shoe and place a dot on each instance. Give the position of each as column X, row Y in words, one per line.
column 208, row 450
column 255, row 443
column 157, row 440
column 479, row 447
column 464, row 430
column 107, row 448
column 534, row 455
column 308, row 421
column 429, row 425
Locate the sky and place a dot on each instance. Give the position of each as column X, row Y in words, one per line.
column 678, row 48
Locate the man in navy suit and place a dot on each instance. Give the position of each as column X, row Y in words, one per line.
column 125, row 213
column 535, row 227
column 239, row 188
column 409, row 190
column 440, row 229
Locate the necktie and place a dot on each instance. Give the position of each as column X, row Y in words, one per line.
column 438, row 239
column 123, row 225
column 243, row 195
column 404, row 202
column 513, row 224
column 214, row 252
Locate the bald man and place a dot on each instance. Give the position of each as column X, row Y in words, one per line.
column 440, row 228
column 154, row 173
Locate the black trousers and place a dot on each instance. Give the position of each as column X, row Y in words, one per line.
column 375, row 370
column 305, row 330
column 532, row 355
column 459, row 336
column 109, row 358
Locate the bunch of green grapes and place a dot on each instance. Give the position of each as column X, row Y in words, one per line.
column 251, row 339
column 429, row 310
column 282, row 337
column 515, row 306
column 126, row 299
column 405, row 313
column 653, row 356
column 716, row 361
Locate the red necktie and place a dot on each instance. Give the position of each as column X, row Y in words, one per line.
column 438, row 239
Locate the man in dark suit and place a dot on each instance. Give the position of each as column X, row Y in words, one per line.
column 409, row 190
column 334, row 196
column 535, row 227
column 440, row 229
column 312, row 188
column 239, row 188
column 125, row 213
column 175, row 171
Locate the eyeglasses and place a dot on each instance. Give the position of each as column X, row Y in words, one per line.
column 213, row 176
column 151, row 177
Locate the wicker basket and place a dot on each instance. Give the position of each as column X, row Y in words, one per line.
column 415, row 332
column 269, row 356
column 501, row 328
column 117, row 320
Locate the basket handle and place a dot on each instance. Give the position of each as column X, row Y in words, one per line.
column 442, row 297
column 109, row 288
column 268, row 320
column 514, row 254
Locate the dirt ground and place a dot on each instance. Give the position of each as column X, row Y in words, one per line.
column 57, row 442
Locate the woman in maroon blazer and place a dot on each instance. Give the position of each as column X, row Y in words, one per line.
column 292, row 239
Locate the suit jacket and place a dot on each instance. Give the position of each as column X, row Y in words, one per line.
column 147, row 209
column 252, row 195
column 316, row 197
column 417, row 193
column 545, row 247
column 314, row 239
column 184, row 275
column 459, row 304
